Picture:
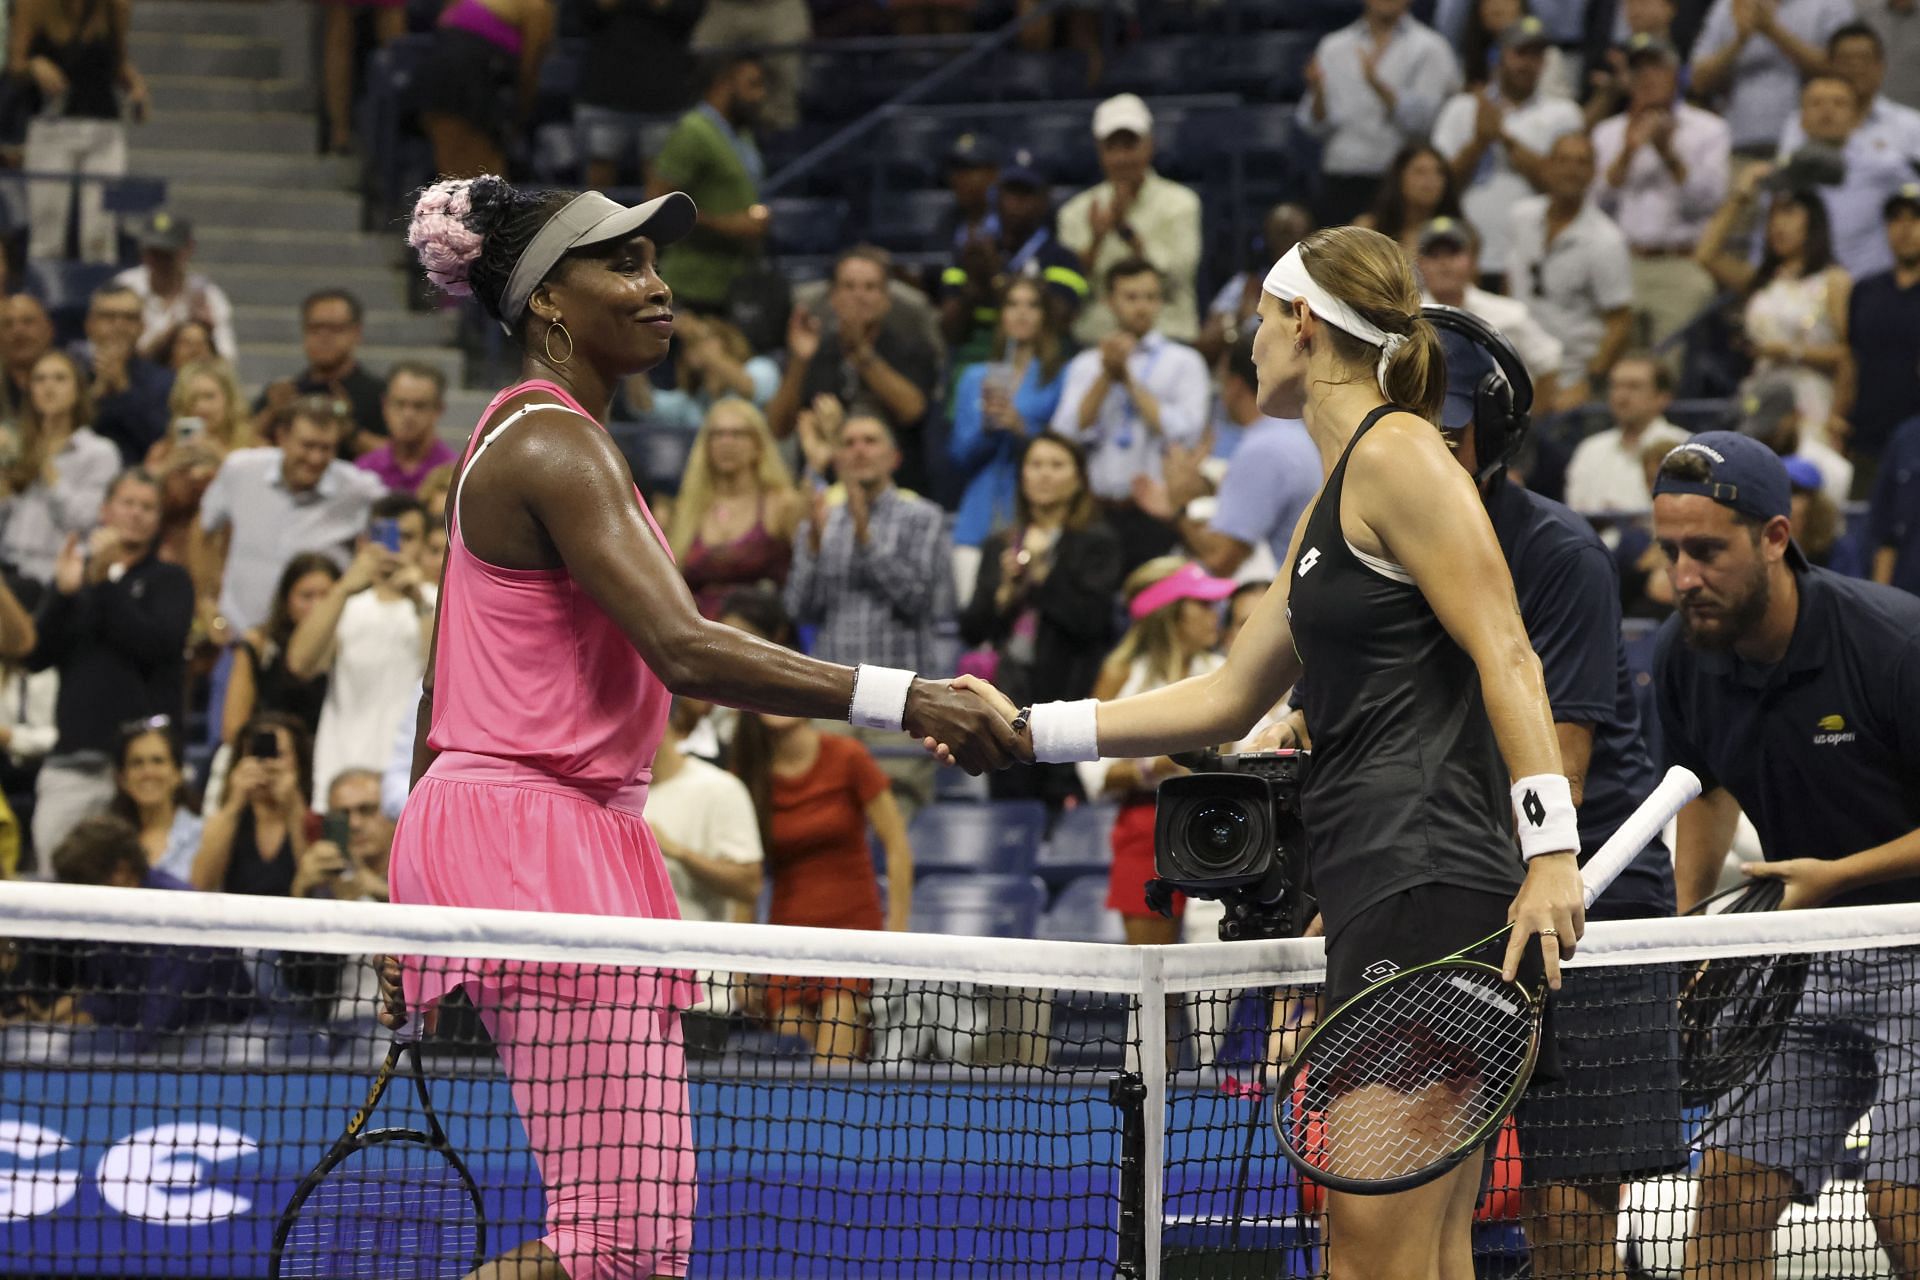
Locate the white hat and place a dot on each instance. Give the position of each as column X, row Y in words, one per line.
column 1124, row 112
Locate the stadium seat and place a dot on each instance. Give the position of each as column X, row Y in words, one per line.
column 1267, row 66
column 909, row 148
column 801, row 225
column 1061, row 142
column 1081, row 914
column 1154, row 67
column 998, row 837
column 1079, row 846
column 987, row 906
column 951, row 785
column 913, row 220
column 655, row 453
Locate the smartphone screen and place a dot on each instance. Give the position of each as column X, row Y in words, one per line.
column 334, row 829
column 386, row 533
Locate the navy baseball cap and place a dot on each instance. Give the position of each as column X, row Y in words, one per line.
column 973, row 151
column 1743, row 475
column 1022, row 170
column 1468, row 364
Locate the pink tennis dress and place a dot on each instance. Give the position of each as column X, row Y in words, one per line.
column 546, row 721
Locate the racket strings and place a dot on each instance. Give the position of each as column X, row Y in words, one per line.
column 1734, row 1010
column 1419, row 1072
column 392, row 1211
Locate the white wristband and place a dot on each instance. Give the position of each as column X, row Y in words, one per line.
column 879, row 697
column 1065, row 732
column 1543, row 813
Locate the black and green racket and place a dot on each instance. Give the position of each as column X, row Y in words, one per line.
column 1415, row 1073
column 384, row 1204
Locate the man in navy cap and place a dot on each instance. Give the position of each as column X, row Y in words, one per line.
column 1794, row 694
column 1018, row 240
column 1613, row 1113
column 971, row 167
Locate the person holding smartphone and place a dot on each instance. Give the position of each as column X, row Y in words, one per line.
column 369, row 634
column 256, row 839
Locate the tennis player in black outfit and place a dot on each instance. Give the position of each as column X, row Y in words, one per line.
column 1426, row 700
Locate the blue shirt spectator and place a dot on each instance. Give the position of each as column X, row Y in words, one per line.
column 1893, row 518
column 997, row 404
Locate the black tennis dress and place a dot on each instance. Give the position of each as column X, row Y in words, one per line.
column 1408, row 790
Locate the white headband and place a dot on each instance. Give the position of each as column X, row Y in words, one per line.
column 1289, row 280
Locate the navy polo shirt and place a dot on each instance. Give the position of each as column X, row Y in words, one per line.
column 1883, row 328
column 1570, row 601
column 1893, row 519
column 1822, row 749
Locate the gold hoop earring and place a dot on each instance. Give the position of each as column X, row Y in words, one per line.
column 551, row 358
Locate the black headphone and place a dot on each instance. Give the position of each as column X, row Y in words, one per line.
column 1503, row 402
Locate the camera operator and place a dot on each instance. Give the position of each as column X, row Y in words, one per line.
column 1599, row 1123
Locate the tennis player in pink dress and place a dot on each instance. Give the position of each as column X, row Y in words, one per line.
column 563, row 630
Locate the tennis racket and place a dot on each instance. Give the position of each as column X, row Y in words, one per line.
column 1415, row 1073
column 384, row 1204
column 1734, row 1010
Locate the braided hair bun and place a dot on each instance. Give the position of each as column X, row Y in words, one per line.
column 469, row 232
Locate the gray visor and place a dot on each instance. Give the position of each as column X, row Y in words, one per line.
column 591, row 219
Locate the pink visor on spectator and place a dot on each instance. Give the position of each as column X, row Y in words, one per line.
column 1188, row 582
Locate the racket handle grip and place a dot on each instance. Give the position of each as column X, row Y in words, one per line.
column 1673, row 794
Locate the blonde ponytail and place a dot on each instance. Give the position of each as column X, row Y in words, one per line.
column 1417, row 374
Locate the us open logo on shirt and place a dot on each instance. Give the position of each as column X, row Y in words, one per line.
column 1832, row 731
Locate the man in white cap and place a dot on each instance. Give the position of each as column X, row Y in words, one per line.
column 1135, row 213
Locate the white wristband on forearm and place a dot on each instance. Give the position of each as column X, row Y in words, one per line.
column 1543, row 812
column 879, row 697
column 1065, row 732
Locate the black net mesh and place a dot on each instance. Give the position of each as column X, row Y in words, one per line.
column 1795, row 1150
column 162, row 1106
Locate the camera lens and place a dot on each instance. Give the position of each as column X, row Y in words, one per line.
column 1216, row 835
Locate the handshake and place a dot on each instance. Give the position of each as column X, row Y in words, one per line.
column 968, row 722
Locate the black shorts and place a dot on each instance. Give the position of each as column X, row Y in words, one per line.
column 1427, row 922
column 1614, row 1111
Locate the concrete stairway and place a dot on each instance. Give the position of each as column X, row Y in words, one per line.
column 235, row 132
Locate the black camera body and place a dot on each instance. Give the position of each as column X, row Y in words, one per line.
column 1232, row 831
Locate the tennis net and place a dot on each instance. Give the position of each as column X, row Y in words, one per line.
column 173, row 1066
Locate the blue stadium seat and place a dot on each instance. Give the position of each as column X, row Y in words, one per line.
column 951, row 785
column 801, row 225
column 1080, row 845
column 655, row 453
column 910, row 148
column 913, row 220
column 1081, row 914
column 998, row 837
column 1153, row 67
column 987, row 906
column 1061, row 142
column 1267, row 66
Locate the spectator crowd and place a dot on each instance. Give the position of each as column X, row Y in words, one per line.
column 1038, row 459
